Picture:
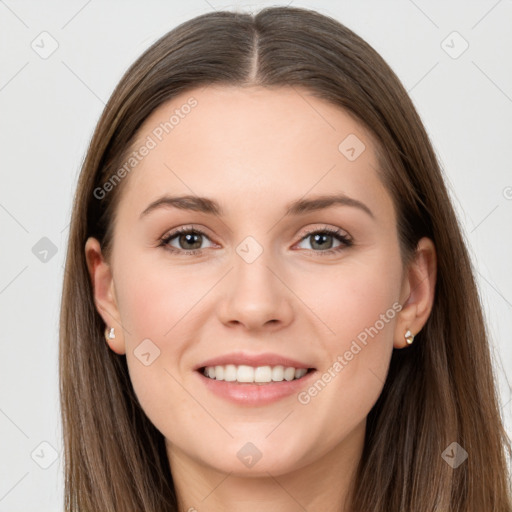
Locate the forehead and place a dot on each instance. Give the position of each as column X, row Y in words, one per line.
column 265, row 144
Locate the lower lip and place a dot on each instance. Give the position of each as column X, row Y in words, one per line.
column 243, row 393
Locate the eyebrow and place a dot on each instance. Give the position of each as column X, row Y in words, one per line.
column 298, row 207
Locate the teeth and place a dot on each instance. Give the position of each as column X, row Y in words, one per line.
column 260, row 374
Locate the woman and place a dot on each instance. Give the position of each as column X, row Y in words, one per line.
column 321, row 345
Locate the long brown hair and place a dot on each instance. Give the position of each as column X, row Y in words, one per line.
column 438, row 391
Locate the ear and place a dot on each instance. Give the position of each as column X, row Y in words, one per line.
column 418, row 291
column 104, row 293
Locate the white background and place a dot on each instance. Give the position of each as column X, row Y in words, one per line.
column 49, row 108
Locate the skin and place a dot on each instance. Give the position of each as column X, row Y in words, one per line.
column 254, row 150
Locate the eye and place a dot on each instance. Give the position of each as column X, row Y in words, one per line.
column 189, row 240
column 322, row 239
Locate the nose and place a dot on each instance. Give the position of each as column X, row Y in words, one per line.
column 255, row 296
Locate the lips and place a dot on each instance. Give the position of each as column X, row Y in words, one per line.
column 244, row 394
column 264, row 359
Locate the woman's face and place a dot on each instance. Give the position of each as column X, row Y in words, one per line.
column 264, row 275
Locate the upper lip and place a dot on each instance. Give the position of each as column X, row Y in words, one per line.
column 264, row 359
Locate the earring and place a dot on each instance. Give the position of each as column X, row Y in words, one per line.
column 409, row 337
column 110, row 335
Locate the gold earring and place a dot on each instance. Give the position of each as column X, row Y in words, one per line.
column 409, row 337
column 109, row 335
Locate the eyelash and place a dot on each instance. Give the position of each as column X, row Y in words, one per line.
column 336, row 233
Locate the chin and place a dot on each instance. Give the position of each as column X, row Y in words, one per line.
column 256, row 459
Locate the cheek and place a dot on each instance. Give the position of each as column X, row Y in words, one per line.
column 359, row 304
column 354, row 297
column 152, row 299
column 153, row 305
column 156, row 317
